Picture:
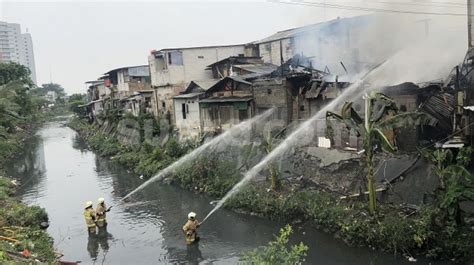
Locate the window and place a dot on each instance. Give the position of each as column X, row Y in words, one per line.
column 163, row 104
column 241, row 55
column 183, row 110
column 175, row 57
column 302, row 108
column 200, row 57
column 269, row 91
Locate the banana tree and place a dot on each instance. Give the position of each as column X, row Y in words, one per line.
column 375, row 129
column 272, row 168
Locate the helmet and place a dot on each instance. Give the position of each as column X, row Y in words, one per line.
column 88, row 204
column 191, row 215
column 100, row 200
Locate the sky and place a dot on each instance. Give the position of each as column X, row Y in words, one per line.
column 79, row 41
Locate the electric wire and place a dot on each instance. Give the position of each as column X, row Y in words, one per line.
column 366, row 9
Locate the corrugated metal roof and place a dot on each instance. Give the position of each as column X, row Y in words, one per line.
column 225, row 99
column 189, row 95
column 441, row 107
column 205, row 84
column 265, row 68
column 126, row 67
column 289, row 33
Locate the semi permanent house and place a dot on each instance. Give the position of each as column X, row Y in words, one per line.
column 186, row 106
column 227, row 103
column 128, row 80
column 172, row 69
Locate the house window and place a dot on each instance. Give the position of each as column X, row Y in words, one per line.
column 241, row 55
column 403, row 108
column 302, row 108
column 183, row 110
column 269, row 91
column 175, row 57
column 163, row 104
column 200, row 57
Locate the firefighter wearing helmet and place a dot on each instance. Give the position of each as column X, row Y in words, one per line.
column 101, row 212
column 190, row 228
column 89, row 215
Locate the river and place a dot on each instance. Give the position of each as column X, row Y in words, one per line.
column 58, row 172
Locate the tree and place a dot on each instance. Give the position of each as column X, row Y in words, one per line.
column 375, row 129
column 278, row 251
column 14, row 72
column 44, row 88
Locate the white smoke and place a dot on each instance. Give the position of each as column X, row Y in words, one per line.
column 420, row 47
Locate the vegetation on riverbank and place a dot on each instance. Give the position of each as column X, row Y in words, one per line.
column 144, row 160
column 433, row 230
column 278, row 251
column 22, row 239
column 23, row 108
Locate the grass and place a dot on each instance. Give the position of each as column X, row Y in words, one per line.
column 22, row 223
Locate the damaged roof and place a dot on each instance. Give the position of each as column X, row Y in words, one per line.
column 264, row 68
column 237, row 60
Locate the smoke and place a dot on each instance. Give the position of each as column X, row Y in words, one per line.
column 420, row 47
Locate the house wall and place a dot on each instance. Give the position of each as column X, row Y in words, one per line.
column 271, row 93
column 188, row 127
column 164, row 101
column 122, row 83
column 218, row 117
column 270, row 51
column 194, row 63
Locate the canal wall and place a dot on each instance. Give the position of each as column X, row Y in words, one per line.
column 320, row 187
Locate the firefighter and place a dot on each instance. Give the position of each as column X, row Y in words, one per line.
column 101, row 212
column 190, row 228
column 89, row 215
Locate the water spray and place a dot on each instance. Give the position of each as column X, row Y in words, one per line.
column 239, row 127
column 293, row 137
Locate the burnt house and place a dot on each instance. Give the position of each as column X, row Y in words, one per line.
column 247, row 66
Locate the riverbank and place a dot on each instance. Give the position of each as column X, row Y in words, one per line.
column 22, row 238
column 411, row 232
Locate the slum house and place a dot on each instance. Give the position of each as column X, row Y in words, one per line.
column 186, row 106
column 172, row 69
column 128, row 80
column 227, row 103
column 141, row 102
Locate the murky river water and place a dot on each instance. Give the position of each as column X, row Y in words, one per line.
column 59, row 173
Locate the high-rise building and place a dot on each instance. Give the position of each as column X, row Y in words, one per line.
column 17, row 47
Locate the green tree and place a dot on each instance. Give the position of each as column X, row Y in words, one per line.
column 14, row 72
column 375, row 128
column 278, row 251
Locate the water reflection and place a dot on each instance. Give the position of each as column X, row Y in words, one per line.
column 100, row 239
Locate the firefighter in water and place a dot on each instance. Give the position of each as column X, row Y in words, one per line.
column 190, row 228
column 101, row 213
column 89, row 215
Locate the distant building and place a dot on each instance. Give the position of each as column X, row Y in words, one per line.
column 51, row 96
column 17, row 47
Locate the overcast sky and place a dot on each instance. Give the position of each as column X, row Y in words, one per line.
column 78, row 41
